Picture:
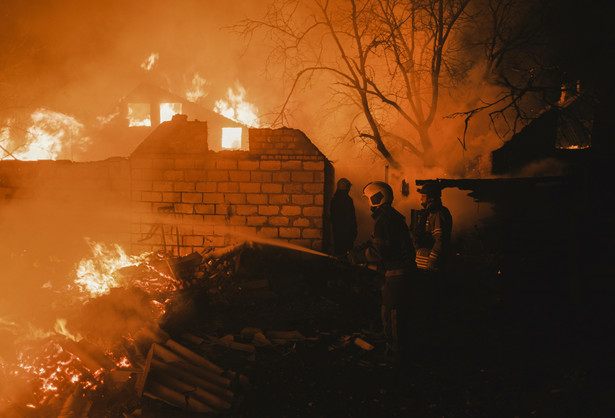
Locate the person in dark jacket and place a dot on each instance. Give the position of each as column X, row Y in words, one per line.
column 389, row 250
column 343, row 218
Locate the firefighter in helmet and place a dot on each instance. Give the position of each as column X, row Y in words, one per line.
column 432, row 234
column 389, row 250
column 430, row 229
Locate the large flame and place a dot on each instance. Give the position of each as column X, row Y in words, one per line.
column 95, row 276
column 51, row 135
column 237, row 109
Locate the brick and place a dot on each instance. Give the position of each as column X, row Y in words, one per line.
column 194, row 219
column 171, row 197
column 225, row 187
column 205, row 209
column 317, row 222
column 212, row 198
column 192, row 197
column 268, row 210
column 314, row 188
column 302, row 176
column 290, row 232
column 195, row 175
column 194, row 240
column 226, row 210
column 319, row 199
column 268, row 232
column 311, row 233
column 239, row 176
column 260, row 176
column 257, row 198
column 279, row 199
column 173, row 175
column 319, row 176
column 279, row 220
column 271, row 188
column 301, row 222
column 303, row 199
column 314, row 165
column 205, row 164
column 238, row 220
column 163, row 163
column 226, row 164
column 217, row 175
column 184, row 186
column 292, row 165
column 151, row 196
column 271, row 165
column 293, row 188
column 246, row 209
column 184, row 208
column 206, row 187
column 312, row 211
column 256, row 220
column 248, row 165
column 250, row 187
column 235, row 198
column 213, row 219
column 291, row 210
column 281, row 177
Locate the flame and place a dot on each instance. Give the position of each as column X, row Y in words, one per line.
column 51, row 135
column 95, row 276
column 237, row 109
column 60, row 328
column 139, row 114
column 150, row 61
column 198, row 89
column 168, row 110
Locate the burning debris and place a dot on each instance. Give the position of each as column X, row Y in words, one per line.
column 126, row 345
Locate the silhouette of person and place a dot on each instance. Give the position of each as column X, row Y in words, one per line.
column 343, row 218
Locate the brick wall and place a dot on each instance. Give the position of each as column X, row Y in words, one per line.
column 185, row 198
column 174, row 194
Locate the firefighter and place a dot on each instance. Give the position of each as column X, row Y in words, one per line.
column 431, row 234
column 389, row 250
column 343, row 218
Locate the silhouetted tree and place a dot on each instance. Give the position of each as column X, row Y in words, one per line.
column 387, row 57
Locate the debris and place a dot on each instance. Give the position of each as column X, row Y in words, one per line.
column 363, row 344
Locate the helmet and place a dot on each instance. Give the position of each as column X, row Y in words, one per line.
column 431, row 188
column 343, row 184
column 378, row 193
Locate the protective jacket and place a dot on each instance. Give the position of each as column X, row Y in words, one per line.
column 390, row 247
column 432, row 237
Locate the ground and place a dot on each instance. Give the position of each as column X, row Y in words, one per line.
column 495, row 352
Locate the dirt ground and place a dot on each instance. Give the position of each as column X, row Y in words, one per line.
column 494, row 351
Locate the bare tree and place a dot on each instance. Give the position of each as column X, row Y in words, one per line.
column 387, row 57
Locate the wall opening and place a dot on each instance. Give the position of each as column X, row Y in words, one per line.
column 231, row 138
column 168, row 110
column 139, row 114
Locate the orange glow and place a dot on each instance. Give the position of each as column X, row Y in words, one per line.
column 95, row 276
column 237, row 109
column 168, row 110
column 50, row 136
